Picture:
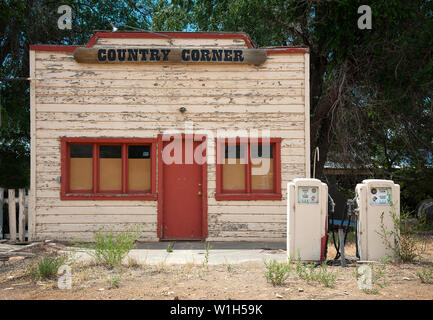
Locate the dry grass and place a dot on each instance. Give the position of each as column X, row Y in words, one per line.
column 140, row 280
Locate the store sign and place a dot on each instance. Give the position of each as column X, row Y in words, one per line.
column 174, row 55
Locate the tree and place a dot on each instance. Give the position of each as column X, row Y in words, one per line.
column 371, row 90
column 32, row 22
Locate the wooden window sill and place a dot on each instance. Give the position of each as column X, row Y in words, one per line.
column 108, row 196
column 248, row 196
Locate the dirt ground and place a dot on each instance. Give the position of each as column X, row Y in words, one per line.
column 238, row 281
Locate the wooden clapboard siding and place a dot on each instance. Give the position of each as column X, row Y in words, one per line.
column 164, row 92
column 70, row 64
column 89, row 235
column 163, row 75
column 147, row 125
column 164, row 117
column 140, row 132
column 173, row 84
column 133, row 108
column 173, row 42
column 124, row 100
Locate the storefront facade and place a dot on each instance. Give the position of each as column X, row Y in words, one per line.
column 186, row 135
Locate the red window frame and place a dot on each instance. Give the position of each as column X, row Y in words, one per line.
column 95, row 193
column 248, row 194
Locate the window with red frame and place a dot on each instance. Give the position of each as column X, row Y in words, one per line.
column 248, row 169
column 108, row 168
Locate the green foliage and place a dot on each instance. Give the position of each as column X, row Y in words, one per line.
column 326, row 276
column 111, row 248
column 47, row 267
column 371, row 97
column 399, row 239
column 415, row 184
column 377, row 277
column 114, row 280
column 426, row 275
column 23, row 23
column 277, row 272
column 301, row 270
column 206, row 255
column 169, row 248
column 314, row 273
column 229, row 268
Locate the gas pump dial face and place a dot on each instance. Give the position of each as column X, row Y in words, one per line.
column 380, row 196
column 308, row 195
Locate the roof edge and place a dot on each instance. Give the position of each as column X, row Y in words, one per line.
column 183, row 35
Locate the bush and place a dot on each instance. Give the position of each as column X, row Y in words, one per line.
column 110, row 249
column 277, row 272
column 47, row 267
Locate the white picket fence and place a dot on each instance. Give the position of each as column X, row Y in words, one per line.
column 17, row 223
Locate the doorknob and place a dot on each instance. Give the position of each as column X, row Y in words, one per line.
column 199, row 193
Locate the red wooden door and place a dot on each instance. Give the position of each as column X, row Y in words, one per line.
column 182, row 195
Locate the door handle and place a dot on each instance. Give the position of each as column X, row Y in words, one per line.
column 199, row 193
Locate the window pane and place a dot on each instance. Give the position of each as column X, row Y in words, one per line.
column 139, row 168
column 110, row 168
column 234, row 168
column 262, row 167
column 110, row 152
column 81, row 167
column 234, row 152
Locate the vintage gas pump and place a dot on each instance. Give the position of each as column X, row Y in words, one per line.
column 307, row 211
column 377, row 200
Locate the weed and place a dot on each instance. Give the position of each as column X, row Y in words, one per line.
column 229, row 268
column 426, row 275
column 110, row 249
column 169, row 248
column 301, row 270
column 133, row 262
column 114, row 281
column 228, row 265
column 326, row 277
column 277, row 272
column 312, row 272
column 385, row 260
column 377, row 274
column 47, row 267
column 424, row 223
column 371, row 291
column 206, row 256
column 161, row 266
column 399, row 240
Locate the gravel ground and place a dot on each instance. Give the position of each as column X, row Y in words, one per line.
column 200, row 281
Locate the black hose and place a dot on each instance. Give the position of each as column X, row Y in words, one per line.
column 356, row 239
column 337, row 246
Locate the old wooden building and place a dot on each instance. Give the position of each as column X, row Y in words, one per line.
column 109, row 118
